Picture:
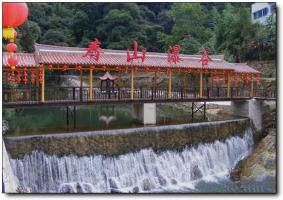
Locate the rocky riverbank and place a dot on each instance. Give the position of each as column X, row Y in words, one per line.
column 262, row 161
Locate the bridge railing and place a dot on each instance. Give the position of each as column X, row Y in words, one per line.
column 81, row 94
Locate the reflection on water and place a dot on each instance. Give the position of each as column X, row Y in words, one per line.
column 86, row 118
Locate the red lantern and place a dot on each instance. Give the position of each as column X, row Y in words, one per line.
column 40, row 76
column 50, row 67
column 247, row 78
column 236, row 79
column 79, row 67
column 104, row 68
column 14, row 14
column 65, row 67
column 12, row 77
column 32, row 77
column 117, row 68
column 19, row 77
column 224, row 78
column 12, row 61
column 92, row 67
column 126, row 69
column 11, row 47
column 25, row 76
column 242, row 78
column 189, row 70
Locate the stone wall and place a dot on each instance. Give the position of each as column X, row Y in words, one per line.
column 116, row 142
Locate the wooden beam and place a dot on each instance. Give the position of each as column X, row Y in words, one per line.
column 228, row 85
column 43, row 86
column 90, row 85
column 132, row 82
column 170, row 85
column 200, row 85
column 252, row 87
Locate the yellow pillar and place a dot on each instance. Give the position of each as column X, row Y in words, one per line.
column 132, row 83
column 228, row 85
column 252, row 87
column 42, row 86
column 90, row 85
column 170, row 85
column 200, row 85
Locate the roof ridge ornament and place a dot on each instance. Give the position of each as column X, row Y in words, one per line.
column 93, row 50
column 135, row 53
column 173, row 54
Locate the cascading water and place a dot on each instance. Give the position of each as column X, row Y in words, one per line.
column 142, row 171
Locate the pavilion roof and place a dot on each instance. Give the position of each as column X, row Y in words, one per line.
column 49, row 54
column 24, row 59
column 244, row 68
column 59, row 55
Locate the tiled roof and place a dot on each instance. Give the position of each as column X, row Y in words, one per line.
column 244, row 68
column 49, row 54
column 24, row 59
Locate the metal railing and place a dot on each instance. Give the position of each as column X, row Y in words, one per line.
column 81, row 94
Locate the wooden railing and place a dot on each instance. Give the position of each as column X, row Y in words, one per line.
column 77, row 94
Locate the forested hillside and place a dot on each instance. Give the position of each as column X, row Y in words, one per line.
column 223, row 27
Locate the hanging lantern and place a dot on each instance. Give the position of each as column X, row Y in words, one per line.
column 224, row 78
column 79, row 68
column 168, row 71
column 251, row 78
column 230, row 79
column 32, row 77
column 19, row 77
column 117, row 68
column 147, row 69
column 65, row 67
column 104, row 68
column 189, row 70
column 50, row 67
column 247, row 78
column 12, row 61
column 126, row 69
column 40, row 76
column 236, row 79
column 158, row 70
column 25, row 76
column 13, row 77
column 14, row 14
column 92, row 67
column 11, row 47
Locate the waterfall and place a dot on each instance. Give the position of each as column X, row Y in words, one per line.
column 141, row 171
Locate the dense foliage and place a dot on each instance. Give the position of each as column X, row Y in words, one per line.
column 223, row 27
